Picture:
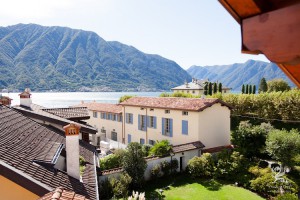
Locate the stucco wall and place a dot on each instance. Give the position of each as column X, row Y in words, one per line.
column 10, row 191
column 156, row 133
column 214, row 126
column 108, row 125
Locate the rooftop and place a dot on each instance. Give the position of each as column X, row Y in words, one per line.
column 188, row 147
column 102, row 107
column 194, row 85
column 27, row 150
column 61, row 194
column 40, row 112
column 176, row 103
column 69, row 113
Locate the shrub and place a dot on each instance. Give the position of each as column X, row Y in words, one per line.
column 257, row 171
column 165, row 167
column 109, row 162
column 265, row 185
column 155, row 171
column 201, row 166
column 146, row 149
column 161, row 148
column 120, row 186
column 105, row 189
column 287, row 196
column 174, row 165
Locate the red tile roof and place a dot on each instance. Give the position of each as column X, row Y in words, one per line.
column 69, row 113
column 176, row 103
column 217, row 149
column 102, row 107
column 187, row 147
column 61, row 194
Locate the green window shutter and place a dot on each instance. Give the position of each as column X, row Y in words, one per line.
column 163, row 126
column 171, row 127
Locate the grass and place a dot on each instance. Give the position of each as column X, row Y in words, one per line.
column 182, row 187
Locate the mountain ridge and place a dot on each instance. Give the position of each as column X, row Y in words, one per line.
column 237, row 74
column 65, row 59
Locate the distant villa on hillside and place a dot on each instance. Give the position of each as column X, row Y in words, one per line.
column 196, row 87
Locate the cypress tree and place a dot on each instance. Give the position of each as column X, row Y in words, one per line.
column 210, row 88
column 215, row 88
column 220, row 88
column 247, row 89
column 263, row 87
column 250, row 89
column 205, row 88
column 254, row 89
column 243, row 89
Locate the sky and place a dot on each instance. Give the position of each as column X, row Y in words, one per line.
column 190, row 32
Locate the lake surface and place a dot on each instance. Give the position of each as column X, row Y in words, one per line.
column 65, row 99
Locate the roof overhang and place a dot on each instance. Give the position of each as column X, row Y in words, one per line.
column 272, row 28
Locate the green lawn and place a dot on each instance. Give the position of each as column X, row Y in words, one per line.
column 185, row 188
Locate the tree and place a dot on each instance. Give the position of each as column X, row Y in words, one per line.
column 161, row 148
column 210, row 88
column 250, row 140
column 247, row 89
column 250, row 89
column 220, row 87
column 263, row 87
column 278, row 85
column 124, row 98
column 134, row 163
column 243, row 89
column 205, row 88
column 215, row 88
column 283, row 145
column 254, row 89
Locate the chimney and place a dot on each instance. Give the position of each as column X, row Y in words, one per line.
column 25, row 99
column 72, row 150
column 5, row 100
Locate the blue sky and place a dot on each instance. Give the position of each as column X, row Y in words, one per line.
column 190, row 32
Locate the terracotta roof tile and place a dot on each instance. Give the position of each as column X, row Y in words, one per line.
column 217, row 149
column 176, row 103
column 102, row 107
column 69, row 113
column 61, row 194
column 24, row 140
column 188, row 147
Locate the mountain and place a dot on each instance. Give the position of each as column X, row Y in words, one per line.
column 235, row 75
column 64, row 59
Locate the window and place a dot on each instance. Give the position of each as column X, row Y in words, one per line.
column 129, row 138
column 151, row 122
column 120, row 118
column 185, row 125
column 142, row 108
column 129, row 118
column 103, row 115
column 167, row 127
column 193, row 91
column 151, row 109
column 114, row 117
column 142, row 141
column 142, row 122
column 114, row 136
column 167, row 111
column 152, row 142
column 108, row 116
column 185, row 113
column 95, row 114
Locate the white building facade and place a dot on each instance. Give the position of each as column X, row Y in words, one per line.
column 150, row 119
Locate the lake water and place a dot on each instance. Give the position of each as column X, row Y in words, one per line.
column 65, row 99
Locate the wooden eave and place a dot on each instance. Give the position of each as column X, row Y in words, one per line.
column 272, row 28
